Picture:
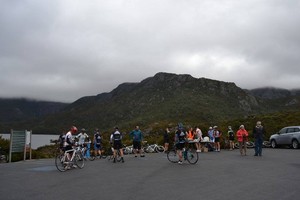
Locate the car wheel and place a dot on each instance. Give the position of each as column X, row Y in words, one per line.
column 273, row 144
column 295, row 144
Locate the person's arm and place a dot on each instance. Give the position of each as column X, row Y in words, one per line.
column 246, row 133
column 111, row 138
column 87, row 137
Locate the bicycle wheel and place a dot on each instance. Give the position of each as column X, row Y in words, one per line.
column 236, row 145
column 159, row 149
column 79, row 160
column 119, row 158
column 192, row 156
column 110, row 157
column 172, row 156
column 59, row 163
column 91, row 158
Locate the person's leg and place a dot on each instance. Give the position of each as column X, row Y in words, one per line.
column 245, row 148
column 260, row 147
column 134, row 148
column 256, row 147
column 240, row 147
column 179, row 152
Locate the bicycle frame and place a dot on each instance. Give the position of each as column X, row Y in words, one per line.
column 188, row 154
column 62, row 163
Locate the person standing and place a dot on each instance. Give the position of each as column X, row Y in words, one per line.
column 167, row 139
column 97, row 143
column 230, row 135
column 82, row 137
column 83, row 140
column 61, row 141
column 258, row 133
column 210, row 134
column 137, row 137
column 217, row 135
column 199, row 138
column 69, row 142
column 180, row 139
column 242, row 137
column 116, row 140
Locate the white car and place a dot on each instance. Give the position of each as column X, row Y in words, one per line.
column 287, row 136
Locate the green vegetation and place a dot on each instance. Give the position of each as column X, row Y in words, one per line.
column 162, row 101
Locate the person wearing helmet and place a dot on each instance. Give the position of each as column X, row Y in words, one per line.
column 230, row 135
column 180, row 138
column 82, row 137
column 97, row 143
column 69, row 140
column 116, row 140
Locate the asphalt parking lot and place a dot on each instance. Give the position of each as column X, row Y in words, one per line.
column 224, row 175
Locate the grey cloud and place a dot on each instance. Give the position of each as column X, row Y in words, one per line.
column 72, row 49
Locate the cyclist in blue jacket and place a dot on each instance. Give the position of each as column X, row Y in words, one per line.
column 137, row 137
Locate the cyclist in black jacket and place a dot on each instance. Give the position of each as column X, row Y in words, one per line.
column 116, row 140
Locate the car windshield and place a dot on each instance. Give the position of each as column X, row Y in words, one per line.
column 282, row 131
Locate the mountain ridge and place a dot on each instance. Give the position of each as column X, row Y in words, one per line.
column 163, row 99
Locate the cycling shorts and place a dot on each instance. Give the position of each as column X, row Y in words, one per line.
column 97, row 146
column 180, row 146
column 118, row 144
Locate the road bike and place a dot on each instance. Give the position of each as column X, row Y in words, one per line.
column 189, row 154
column 249, row 144
column 86, row 153
column 127, row 149
column 266, row 144
column 110, row 157
column 62, row 163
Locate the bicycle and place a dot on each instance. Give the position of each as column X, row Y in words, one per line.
column 266, row 144
column 249, row 144
column 86, row 153
column 111, row 156
column 153, row 148
column 189, row 154
column 62, row 163
column 127, row 149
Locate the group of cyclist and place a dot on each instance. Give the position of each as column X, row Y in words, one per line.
column 195, row 136
column 67, row 141
column 181, row 138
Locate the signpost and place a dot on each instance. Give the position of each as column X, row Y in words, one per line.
column 19, row 142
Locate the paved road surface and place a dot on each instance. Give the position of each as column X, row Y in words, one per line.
column 224, row 175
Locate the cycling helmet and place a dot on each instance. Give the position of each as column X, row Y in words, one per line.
column 74, row 129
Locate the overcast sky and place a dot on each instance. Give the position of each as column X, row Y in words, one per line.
column 62, row 50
